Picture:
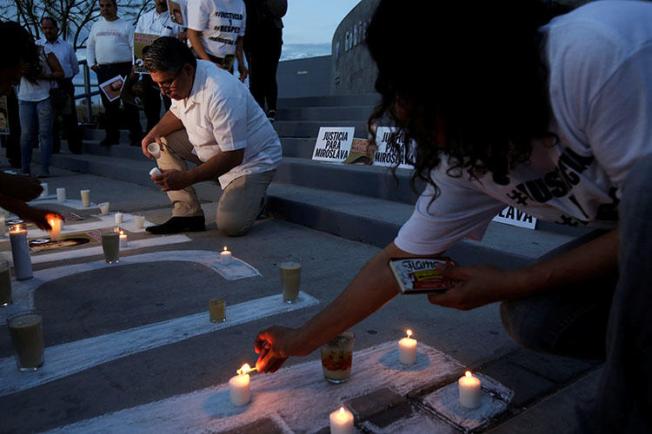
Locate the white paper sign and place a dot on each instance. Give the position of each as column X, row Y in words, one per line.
column 333, row 144
column 384, row 155
column 112, row 88
column 515, row 217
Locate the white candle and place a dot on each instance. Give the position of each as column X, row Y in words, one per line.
column 154, row 172
column 139, row 220
column 124, row 242
column 470, row 390
column 44, row 186
column 104, row 208
column 85, row 198
column 407, row 348
column 61, row 194
column 239, row 390
column 118, row 218
column 56, row 224
column 20, row 251
column 155, row 150
column 225, row 256
column 341, row 421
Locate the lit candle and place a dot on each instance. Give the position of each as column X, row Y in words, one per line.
column 470, row 391
column 118, row 218
column 407, row 348
column 61, row 194
column 124, row 242
column 56, row 224
column 20, row 251
column 341, row 421
column 225, row 256
column 239, row 390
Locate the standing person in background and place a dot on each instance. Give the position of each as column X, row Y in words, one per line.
column 14, row 62
column 156, row 22
column 109, row 53
column 63, row 95
column 35, row 109
column 262, row 45
column 216, row 29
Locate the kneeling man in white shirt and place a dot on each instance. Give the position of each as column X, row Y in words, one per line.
column 215, row 123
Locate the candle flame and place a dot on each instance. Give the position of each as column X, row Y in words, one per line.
column 225, row 249
column 468, row 374
column 342, row 411
column 245, row 369
column 409, row 333
column 122, row 232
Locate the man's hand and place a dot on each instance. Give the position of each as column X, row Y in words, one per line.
column 171, row 180
column 37, row 216
column 274, row 346
column 151, row 137
column 23, row 188
column 244, row 72
column 476, row 286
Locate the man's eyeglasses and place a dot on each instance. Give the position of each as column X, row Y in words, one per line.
column 166, row 85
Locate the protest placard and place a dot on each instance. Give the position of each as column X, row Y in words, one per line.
column 333, row 144
column 178, row 10
column 515, row 217
column 387, row 157
column 142, row 41
column 112, row 88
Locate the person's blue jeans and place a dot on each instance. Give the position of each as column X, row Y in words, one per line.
column 36, row 122
column 609, row 318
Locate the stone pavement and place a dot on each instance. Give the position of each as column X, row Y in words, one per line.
column 104, row 307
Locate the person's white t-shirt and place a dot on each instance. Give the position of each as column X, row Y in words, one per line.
column 110, row 42
column 220, row 115
column 221, row 23
column 153, row 23
column 40, row 89
column 600, row 74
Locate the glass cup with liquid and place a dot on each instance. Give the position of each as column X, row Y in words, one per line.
column 337, row 358
column 26, row 330
column 111, row 246
column 290, row 280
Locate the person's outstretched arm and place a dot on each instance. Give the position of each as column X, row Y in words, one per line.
column 369, row 291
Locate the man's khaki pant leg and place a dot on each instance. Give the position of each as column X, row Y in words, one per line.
column 174, row 156
column 241, row 202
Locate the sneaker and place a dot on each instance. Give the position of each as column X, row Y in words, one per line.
column 179, row 224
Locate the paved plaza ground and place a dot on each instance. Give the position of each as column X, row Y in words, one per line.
column 99, row 367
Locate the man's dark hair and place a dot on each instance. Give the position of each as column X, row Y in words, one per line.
column 51, row 20
column 168, row 54
column 474, row 68
column 20, row 49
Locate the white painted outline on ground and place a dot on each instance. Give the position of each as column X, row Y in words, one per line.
column 70, row 203
column 298, row 394
column 23, row 291
column 104, row 222
column 97, row 250
column 73, row 357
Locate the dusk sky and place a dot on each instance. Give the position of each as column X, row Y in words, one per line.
column 310, row 24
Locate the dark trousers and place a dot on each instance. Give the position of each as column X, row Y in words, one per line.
column 65, row 113
column 609, row 318
column 112, row 108
column 152, row 102
column 12, row 141
column 263, row 53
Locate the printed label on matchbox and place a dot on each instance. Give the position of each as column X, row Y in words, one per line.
column 421, row 275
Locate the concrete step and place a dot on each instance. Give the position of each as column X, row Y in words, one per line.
column 292, row 147
column 330, row 101
column 353, row 113
column 308, row 129
column 359, row 203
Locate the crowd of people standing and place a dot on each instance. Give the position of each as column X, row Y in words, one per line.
column 246, row 34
